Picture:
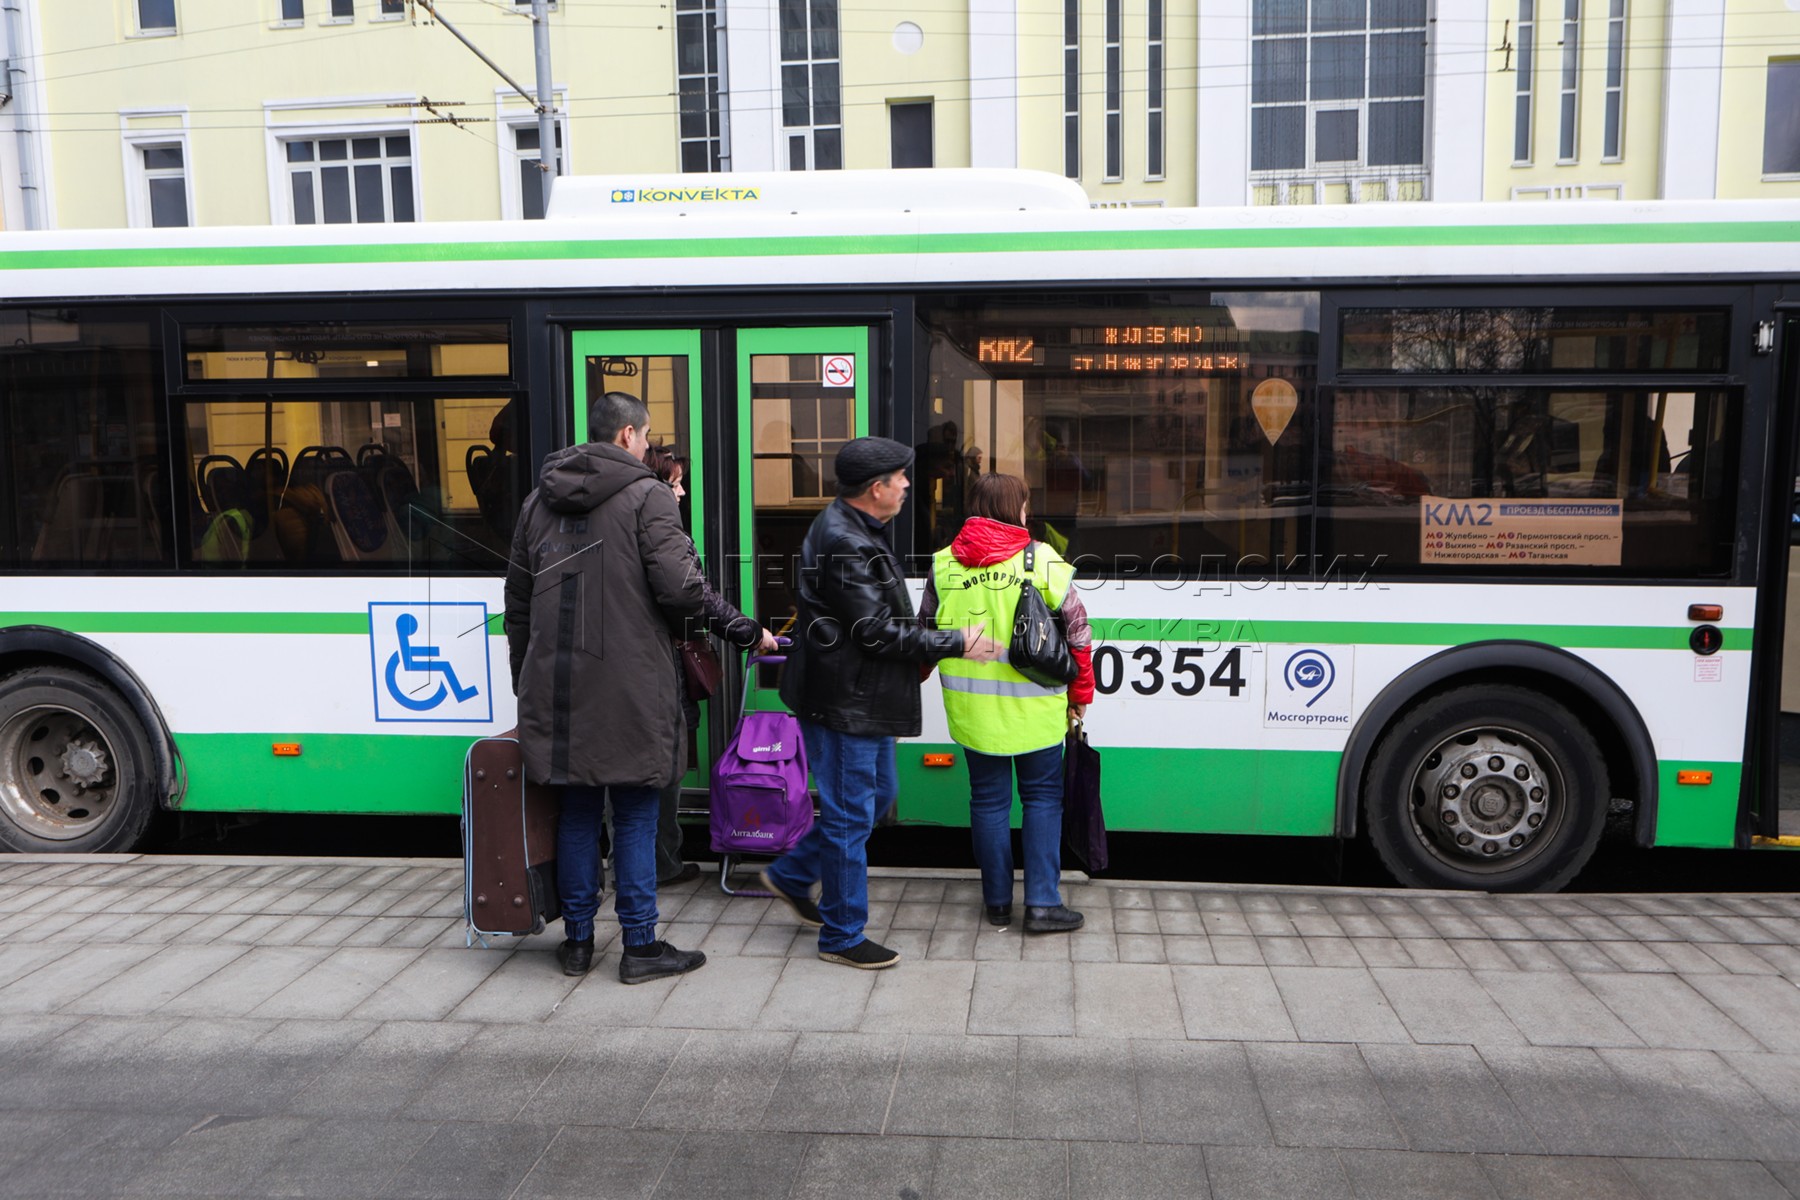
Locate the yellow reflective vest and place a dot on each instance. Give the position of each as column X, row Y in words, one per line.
column 991, row 707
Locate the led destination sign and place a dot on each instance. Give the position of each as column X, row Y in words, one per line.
column 1118, row 350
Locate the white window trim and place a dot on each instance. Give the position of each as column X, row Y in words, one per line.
column 512, row 204
column 378, row 16
column 1161, row 42
column 138, row 31
column 1606, row 89
column 1527, row 63
column 1562, row 59
column 326, row 18
column 280, row 22
column 132, row 140
column 275, row 133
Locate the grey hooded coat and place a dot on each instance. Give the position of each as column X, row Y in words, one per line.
column 600, row 581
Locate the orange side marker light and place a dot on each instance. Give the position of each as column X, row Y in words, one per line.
column 1706, row 612
column 1699, row 778
column 940, row 760
column 287, row 749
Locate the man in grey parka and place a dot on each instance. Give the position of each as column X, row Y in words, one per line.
column 599, row 578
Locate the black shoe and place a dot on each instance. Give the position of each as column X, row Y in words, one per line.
column 999, row 915
column 688, row 873
column 864, row 956
column 1060, row 919
column 575, row 957
column 638, row 968
column 803, row 907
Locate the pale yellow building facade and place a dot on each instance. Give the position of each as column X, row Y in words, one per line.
column 1642, row 99
column 130, row 113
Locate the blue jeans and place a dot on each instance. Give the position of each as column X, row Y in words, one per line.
column 990, row 823
column 634, row 860
column 855, row 778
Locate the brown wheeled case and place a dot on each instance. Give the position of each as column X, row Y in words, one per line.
column 509, row 843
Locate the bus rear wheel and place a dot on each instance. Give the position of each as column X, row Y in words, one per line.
column 76, row 770
column 1493, row 788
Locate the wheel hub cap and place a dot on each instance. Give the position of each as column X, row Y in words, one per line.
column 56, row 773
column 1483, row 794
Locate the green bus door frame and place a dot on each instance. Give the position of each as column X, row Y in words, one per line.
column 684, row 344
column 845, row 360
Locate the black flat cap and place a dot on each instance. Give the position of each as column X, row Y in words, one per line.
column 866, row 458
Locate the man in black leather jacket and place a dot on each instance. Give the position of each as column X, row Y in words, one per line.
column 853, row 680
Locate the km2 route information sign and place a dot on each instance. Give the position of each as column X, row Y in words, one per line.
column 1576, row 532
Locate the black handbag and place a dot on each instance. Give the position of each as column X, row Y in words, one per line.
column 1038, row 649
column 1084, row 822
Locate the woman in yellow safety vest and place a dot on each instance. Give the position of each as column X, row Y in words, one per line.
column 1003, row 721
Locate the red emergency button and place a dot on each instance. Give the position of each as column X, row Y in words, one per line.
column 1706, row 639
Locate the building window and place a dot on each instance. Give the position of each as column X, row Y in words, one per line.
column 156, row 16
column 1337, row 84
column 697, row 61
column 165, row 195
column 810, row 111
column 1614, row 148
column 1072, row 88
column 1571, row 80
column 909, row 134
column 1115, row 92
column 1781, row 118
column 1522, row 90
column 293, row 11
column 1153, row 129
column 525, row 143
column 346, row 180
column 343, row 10
column 393, row 9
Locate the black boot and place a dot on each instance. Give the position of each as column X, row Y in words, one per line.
column 1060, row 919
column 575, row 957
column 656, row 961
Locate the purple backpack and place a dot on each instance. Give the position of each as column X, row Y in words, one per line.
column 760, row 804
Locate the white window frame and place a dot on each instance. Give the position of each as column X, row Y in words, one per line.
column 1112, row 94
column 1071, row 88
column 1768, row 63
column 137, row 28
column 1358, row 171
column 1156, row 91
column 1617, row 33
column 1526, row 84
column 133, row 140
column 810, row 130
column 507, row 119
column 280, row 22
column 277, row 133
column 327, row 17
column 1569, row 84
column 378, row 15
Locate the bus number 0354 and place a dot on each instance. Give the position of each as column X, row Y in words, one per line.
column 1181, row 670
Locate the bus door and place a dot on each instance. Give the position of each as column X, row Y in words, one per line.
column 1784, row 818
column 661, row 367
column 802, row 393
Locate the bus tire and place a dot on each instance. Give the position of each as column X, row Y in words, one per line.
column 77, row 774
column 1495, row 788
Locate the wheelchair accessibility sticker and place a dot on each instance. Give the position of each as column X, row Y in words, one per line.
column 430, row 661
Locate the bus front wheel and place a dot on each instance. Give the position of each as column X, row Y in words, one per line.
column 1495, row 788
column 77, row 774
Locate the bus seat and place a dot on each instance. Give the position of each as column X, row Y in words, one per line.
column 208, row 464
column 267, row 468
column 478, row 464
column 314, row 463
column 363, row 528
column 98, row 512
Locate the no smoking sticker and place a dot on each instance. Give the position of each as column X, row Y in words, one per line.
column 840, row 370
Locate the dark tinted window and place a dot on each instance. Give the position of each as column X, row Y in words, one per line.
column 1158, row 434
column 349, row 350
column 83, row 480
column 1531, row 340
column 1511, row 480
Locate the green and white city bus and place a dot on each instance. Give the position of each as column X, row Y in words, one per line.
column 1461, row 525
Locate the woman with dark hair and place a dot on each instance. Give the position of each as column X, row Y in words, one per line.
column 1005, row 723
column 722, row 621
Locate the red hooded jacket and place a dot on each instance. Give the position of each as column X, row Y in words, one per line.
column 982, row 543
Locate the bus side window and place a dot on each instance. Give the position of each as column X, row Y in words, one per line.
column 82, row 447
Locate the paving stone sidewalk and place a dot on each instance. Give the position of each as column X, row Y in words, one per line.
column 207, row 1026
